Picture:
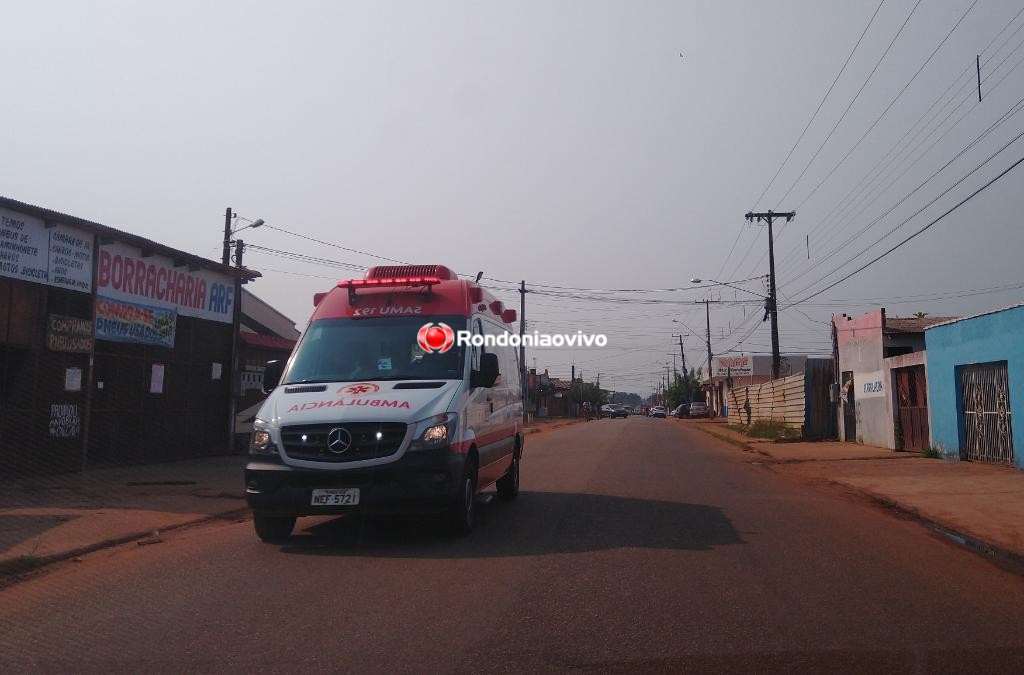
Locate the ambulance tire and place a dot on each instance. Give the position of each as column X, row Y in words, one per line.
column 273, row 529
column 462, row 513
column 508, row 485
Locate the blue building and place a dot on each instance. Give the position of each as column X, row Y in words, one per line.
column 975, row 378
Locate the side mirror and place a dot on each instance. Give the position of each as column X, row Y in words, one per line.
column 272, row 375
column 488, row 373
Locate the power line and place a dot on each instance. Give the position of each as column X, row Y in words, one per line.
column 963, row 201
column 920, row 210
column 814, row 116
column 852, row 101
column 878, row 119
column 889, row 107
column 339, row 246
column 821, row 103
column 1016, row 108
column 883, row 181
column 967, row 69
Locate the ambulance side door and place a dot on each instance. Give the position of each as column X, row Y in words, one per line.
column 478, row 409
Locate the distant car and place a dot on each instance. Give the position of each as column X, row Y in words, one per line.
column 657, row 411
column 613, row 411
column 698, row 409
column 680, row 411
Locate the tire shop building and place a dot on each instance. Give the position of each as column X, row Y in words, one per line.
column 265, row 334
column 114, row 349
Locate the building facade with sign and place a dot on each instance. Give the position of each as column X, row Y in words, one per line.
column 114, row 349
column 882, row 385
column 735, row 372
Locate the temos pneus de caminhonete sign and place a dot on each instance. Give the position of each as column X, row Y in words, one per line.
column 56, row 256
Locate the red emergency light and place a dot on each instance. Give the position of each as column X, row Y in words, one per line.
column 392, row 281
column 387, row 282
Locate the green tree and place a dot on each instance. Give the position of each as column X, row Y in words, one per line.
column 588, row 391
column 684, row 389
column 626, row 398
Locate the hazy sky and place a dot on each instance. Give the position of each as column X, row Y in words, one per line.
column 564, row 143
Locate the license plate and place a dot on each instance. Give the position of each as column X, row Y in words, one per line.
column 336, row 497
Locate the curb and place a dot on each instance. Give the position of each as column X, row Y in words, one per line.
column 12, row 571
column 747, row 447
column 1003, row 557
column 551, row 427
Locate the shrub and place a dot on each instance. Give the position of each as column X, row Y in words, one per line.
column 770, row 429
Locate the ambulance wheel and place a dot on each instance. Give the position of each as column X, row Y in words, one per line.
column 462, row 513
column 508, row 485
column 273, row 529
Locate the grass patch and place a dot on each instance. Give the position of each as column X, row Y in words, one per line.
column 931, row 452
column 769, row 429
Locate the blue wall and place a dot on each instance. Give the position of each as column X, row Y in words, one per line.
column 998, row 336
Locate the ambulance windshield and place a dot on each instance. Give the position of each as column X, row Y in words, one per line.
column 354, row 350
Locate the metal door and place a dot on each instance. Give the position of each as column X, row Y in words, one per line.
column 912, row 407
column 988, row 435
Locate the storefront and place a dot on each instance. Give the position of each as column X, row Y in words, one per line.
column 114, row 349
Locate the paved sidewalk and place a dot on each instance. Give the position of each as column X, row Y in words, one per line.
column 53, row 518
column 981, row 503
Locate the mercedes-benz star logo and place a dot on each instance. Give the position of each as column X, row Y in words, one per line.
column 339, row 440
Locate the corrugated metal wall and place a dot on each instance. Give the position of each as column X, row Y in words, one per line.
column 800, row 401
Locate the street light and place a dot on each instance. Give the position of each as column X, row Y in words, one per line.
column 698, row 280
column 228, row 217
column 769, row 312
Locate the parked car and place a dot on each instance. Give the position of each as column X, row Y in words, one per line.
column 680, row 411
column 612, row 410
column 657, row 411
column 698, row 409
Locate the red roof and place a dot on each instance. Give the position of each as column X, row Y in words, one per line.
column 266, row 341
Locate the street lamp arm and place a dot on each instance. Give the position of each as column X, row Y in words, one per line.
column 255, row 223
column 725, row 283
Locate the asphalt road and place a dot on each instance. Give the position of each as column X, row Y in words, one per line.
column 636, row 546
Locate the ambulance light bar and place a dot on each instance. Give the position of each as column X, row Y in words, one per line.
column 353, row 284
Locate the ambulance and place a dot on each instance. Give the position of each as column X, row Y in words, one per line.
column 382, row 407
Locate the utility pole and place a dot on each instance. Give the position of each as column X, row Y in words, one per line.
column 522, row 349
column 572, row 391
column 664, row 399
column 682, row 356
column 772, row 306
column 226, row 254
column 707, row 318
column 239, row 248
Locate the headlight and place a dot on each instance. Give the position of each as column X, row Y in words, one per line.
column 434, row 432
column 261, row 443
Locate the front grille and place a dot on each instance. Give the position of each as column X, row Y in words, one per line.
column 313, row 441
